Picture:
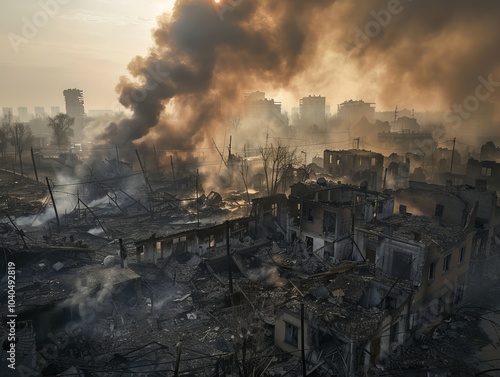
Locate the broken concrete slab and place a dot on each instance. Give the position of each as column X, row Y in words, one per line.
column 57, row 266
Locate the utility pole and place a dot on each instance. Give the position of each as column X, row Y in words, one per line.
column 178, row 359
column 396, row 118
column 123, row 255
column 432, row 160
column 156, row 158
column 229, row 264
column 302, row 342
column 117, row 155
column 34, row 164
column 95, row 217
column 229, row 159
column 172, row 164
column 197, row 205
column 54, row 204
column 356, row 139
column 145, row 179
column 452, row 156
column 78, row 204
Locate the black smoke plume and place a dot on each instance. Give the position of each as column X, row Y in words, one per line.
column 204, row 57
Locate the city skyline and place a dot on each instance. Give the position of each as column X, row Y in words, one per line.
column 84, row 44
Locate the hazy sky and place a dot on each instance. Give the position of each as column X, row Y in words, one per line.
column 87, row 44
column 413, row 60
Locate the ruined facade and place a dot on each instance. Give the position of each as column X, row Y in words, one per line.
column 364, row 167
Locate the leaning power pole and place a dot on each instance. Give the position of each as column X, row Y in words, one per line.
column 229, row 264
column 148, row 184
column 34, row 164
column 197, row 204
column 452, row 155
column 302, row 342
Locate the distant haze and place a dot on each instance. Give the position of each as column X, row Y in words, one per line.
column 417, row 54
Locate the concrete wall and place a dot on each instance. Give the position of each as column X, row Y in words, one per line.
column 386, row 247
column 341, row 163
column 436, row 296
column 423, row 203
column 301, row 225
column 279, row 332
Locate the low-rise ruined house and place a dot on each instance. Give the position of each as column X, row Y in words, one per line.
column 490, row 152
column 195, row 241
column 270, row 215
column 415, row 142
column 451, row 204
column 60, row 296
column 321, row 216
column 434, row 257
column 488, row 171
column 398, row 174
column 350, row 323
column 359, row 165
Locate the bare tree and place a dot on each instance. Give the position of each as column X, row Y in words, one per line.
column 5, row 132
column 62, row 131
column 277, row 161
column 244, row 176
column 235, row 122
column 21, row 136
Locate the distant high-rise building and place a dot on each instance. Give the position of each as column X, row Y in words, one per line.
column 22, row 114
column 97, row 113
column 257, row 107
column 7, row 110
column 75, row 109
column 295, row 116
column 54, row 110
column 313, row 110
column 352, row 111
column 40, row 112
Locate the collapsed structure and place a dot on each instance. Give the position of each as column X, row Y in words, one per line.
column 331, row 280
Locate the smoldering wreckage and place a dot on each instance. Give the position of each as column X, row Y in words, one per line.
column 128, row 273
column 325, row 281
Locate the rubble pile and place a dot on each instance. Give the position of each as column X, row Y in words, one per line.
column 448, row 348
column 132, row 283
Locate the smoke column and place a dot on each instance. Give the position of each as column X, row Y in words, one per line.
column 204, row 57
column 423, row 50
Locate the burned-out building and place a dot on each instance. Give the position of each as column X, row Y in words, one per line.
column 405, row 124
column 490, row 152
column 197, row 241
column 432, row 255
column 321, row 216
column 350, row 112
column 359, row 165
column 415, row 142
column 487, row 171
column 60, row 297
column 270, row 213
column 450, row 205
column 346, row 325
column 398, row 172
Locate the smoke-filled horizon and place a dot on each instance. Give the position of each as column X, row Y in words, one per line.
column 205, row 56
